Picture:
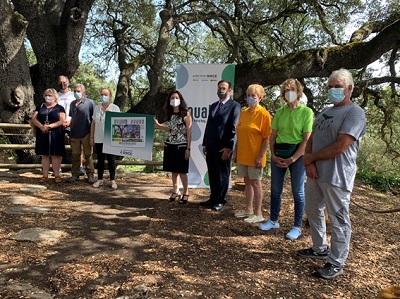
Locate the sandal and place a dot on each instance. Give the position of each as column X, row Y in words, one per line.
column 57, row 179
column 184, row 198
column 175, row 196
column 113, row 185
column 44, row 179
column 98, row 183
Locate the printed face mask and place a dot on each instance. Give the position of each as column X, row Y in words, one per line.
column 175, row 102
column 49, row 99
column 335, row 95
column 63, row 85
column 104, row 99
column 291, row 96
column 78, row 95
column 221, row 93
column 250, row 101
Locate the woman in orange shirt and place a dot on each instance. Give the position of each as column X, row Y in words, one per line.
column 253, row 131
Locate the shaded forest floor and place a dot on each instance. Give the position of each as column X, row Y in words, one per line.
column 132, row 242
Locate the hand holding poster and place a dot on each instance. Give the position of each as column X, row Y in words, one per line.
column 129, row 135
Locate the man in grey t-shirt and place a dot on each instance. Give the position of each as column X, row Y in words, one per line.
column 330, row 160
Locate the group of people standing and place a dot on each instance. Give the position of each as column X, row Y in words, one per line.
column 324, row 149
column 72, row 114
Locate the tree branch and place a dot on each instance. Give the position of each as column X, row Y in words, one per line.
column 274, row 70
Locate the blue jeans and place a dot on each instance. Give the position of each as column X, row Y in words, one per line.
column 297, row 176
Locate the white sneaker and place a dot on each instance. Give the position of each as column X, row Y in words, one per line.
column 243, row 214
column 114, row 185
column 254, row 219
column 98, row 183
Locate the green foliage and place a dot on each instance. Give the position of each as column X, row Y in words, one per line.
column 134, row 21
column 30, row 54
column 159, row 136
column 374, row 157
column 3, row 139
column 132, row 168
column 93, row 81
column 377, row 167
column 378, row 181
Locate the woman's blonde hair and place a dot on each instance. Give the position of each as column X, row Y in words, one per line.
column 257, row 89
column 109, row 91
column 285, row 86
column 53, row 92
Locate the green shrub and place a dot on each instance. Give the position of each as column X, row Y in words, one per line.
column 379, row 182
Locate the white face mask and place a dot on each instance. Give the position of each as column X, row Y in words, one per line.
column 291, row 96
column 175, row 102
column 49, row 99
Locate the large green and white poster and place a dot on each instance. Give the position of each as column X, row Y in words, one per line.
column 129, row 135
column 198, row 85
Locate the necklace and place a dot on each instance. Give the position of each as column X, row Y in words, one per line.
column 103, row 110
column 46, row 122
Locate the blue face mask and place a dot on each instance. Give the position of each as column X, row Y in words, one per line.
column 77, row 95
column 251, row 100
column 104, row 99
column 335, row 95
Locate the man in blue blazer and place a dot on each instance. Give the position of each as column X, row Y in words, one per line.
column 218, row 143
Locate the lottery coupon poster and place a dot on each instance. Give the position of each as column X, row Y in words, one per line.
column 129, row 135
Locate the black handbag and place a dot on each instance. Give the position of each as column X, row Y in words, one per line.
column 285, row 150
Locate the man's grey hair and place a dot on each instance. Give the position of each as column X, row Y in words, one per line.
column 342, row 75
column 81, row 86
column 65, row 77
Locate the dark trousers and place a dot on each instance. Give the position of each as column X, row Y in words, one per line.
column 100, row 162
column 219, row 173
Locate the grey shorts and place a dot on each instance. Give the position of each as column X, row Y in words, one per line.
column 252, row 172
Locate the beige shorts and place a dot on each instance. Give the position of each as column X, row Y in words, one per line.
column 253, row 173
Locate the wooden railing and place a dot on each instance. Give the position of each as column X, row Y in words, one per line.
column 31, row 146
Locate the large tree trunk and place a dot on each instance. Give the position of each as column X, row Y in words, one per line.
column 16, row 91
column 154, row 99
column 155, row 61
column 127, row 69
column 55, row 32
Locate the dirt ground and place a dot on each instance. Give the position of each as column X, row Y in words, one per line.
column 133, row 243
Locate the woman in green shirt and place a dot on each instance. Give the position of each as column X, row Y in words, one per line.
column 291, row 128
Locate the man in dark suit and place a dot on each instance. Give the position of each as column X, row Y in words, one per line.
column 218, row 143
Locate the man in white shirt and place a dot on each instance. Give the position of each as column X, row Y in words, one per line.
column 65, row 96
